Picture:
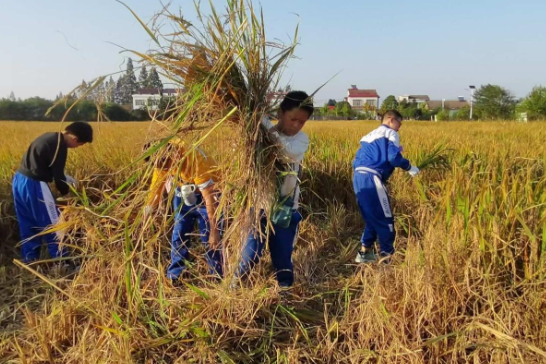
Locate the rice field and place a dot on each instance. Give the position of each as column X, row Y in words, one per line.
column 467, row 283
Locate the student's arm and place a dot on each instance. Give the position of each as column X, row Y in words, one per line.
column 209, row 195
column 58, row 158
column 157, row 187
column 394, row 154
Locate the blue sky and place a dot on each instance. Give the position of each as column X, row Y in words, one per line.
column 434, row 47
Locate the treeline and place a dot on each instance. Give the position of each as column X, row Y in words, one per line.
column 114, row 98
column 35, row 109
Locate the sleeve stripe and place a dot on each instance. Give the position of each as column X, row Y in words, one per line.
column 207, row 184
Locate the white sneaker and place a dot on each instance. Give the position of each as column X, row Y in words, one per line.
column 365, row 257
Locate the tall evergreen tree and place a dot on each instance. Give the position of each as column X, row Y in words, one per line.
column 11, row 96
column 154, row 81
column 118, row 90
column 110, row 90
column 129, row 85
column 81, row 90
column 143, row 77
column 101, row 92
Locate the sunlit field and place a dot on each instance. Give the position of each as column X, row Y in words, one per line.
column 467, row 283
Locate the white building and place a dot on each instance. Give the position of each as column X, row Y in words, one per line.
column 362, row 100
column 149, row 98
column 417, row 99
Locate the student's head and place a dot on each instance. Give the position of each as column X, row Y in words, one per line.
column 294, row 111
column 392, row 119
column 78, row 134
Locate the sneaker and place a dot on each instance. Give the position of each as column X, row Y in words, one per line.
column 365, row 256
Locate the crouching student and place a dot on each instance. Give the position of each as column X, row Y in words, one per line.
column 195, row 200
column 35, row 206
column 294, row 111
column 375, row 161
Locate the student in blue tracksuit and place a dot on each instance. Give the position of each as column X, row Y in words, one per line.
column 379, row 154
column 294, row 111
column 35, row 206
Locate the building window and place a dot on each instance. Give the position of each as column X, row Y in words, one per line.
column 370, row 102
column 140, row 102
column 357, row 102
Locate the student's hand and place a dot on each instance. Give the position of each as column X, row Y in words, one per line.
column 71, row 181
column 214, row 239
column 148, row 211
column 413, row 171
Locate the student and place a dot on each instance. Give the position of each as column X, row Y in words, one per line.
column 195, row 199
column 294, row 111
column 378, row 156
column 35, row 206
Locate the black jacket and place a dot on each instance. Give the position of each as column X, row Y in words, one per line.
column 45, row 160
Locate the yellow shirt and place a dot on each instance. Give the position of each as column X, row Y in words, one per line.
column 194, row 166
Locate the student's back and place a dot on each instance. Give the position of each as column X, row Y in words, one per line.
column 45, row 160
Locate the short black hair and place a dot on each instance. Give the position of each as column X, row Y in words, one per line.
column 392, row 113
column 297, row 100
column 81, row 130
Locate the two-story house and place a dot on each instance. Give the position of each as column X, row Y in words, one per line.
column 362, row 100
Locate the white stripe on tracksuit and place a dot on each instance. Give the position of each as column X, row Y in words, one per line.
column 49, row 201
column 380, row 188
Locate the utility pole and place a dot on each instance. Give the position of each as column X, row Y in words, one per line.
column 472, row 89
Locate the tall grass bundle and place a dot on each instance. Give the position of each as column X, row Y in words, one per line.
column 226, row 67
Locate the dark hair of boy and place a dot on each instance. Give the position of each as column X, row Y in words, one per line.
column 392, row 114
column 297, row 100
column 81, row 130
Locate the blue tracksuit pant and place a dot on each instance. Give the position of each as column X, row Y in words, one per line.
column 373, row 202
column 185, row 217
column 36, row 210
column 281, row 245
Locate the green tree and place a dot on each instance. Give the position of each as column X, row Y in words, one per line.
column 493, row 102
column 390, row 103
column 35, row 108
column 10, row 110
column 118, row 92
column 463, row 113
column 82, row 89
column 110, row 90
column 115, row 112
column 343, row 108
column 129, row 85
column 443, row 115
column 534, row 104
column 143, row 77
column 86, row 110
column 324, row 111
column 154, row 80
column 410, row 112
